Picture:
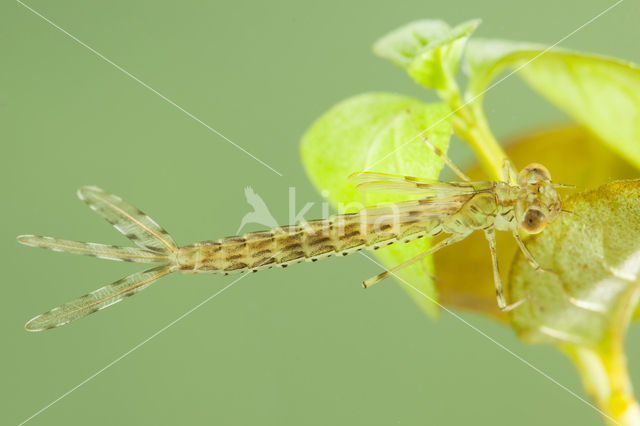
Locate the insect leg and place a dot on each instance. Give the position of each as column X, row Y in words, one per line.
column 507, row 171
column 527, row 254
column 443, row 156
column 490, row 233
column 447, row 241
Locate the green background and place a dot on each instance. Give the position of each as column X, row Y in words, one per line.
column 305, row 346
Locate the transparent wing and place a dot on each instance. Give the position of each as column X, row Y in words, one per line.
column 382, row 182
column 127, row 219
column 103, row 251
column 426, row 209
column 97, row 299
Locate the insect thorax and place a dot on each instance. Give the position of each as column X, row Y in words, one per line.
column 506, row 198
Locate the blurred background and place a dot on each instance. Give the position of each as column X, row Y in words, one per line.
column 305, row 346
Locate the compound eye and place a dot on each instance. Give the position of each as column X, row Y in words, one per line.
column 534, row 221
column 539, row 170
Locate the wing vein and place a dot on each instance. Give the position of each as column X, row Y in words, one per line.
column 170, row 247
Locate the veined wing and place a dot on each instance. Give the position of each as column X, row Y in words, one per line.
column 127, row 219
column 426, row 209
column 382, row 182
column 97, row 299
column 102, row 251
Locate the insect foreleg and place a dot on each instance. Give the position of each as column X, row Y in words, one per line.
column 527, row 254
column 490, row 233
column 507, row 172
column 443, row 156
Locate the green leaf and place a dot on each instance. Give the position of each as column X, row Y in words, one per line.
column 585, row 305
column 429, row 50
column 595, row 255
column 379, row 132
column 486, row 58
column 601, row 93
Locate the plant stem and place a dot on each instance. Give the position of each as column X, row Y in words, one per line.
column 604, row 368
column 474, row 129
column 605, row 377
column 470, row 123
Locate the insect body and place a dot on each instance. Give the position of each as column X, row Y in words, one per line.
column 456, row 209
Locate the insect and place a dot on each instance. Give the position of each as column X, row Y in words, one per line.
column 529, row 202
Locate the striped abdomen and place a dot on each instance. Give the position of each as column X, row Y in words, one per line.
column 310, row 241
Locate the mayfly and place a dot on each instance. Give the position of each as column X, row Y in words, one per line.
column 455, row 208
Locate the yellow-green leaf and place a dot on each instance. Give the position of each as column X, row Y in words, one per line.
column 600, row 93
column 595, row 256
column 585, row 304
column 429, row 50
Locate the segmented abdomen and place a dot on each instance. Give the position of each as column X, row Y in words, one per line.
column 308, row 241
